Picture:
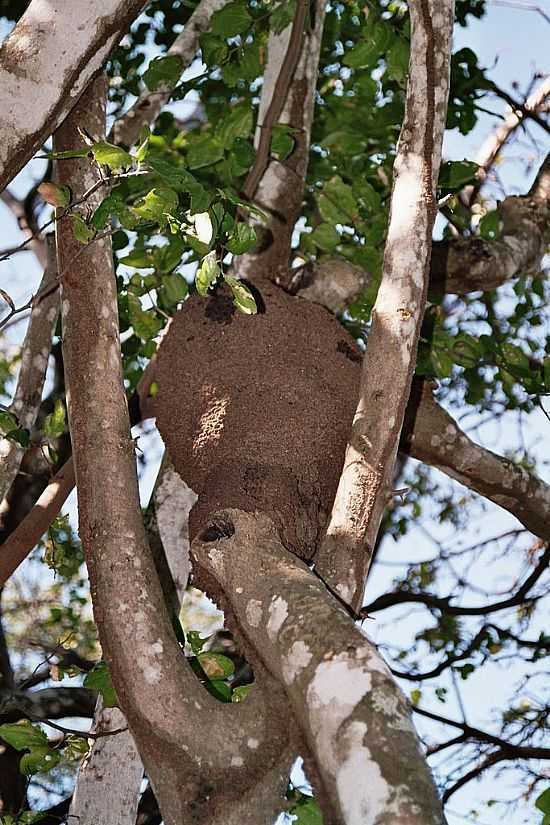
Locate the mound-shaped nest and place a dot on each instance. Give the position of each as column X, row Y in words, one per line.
column 256, row 410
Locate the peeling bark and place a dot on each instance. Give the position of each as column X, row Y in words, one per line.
column 362, row 752
column 164, row 703
column 35, row 354
column 45, row 65
column 364, row 485
column 148, row 106
column 280, row 191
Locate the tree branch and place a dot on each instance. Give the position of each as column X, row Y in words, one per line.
column 32, row 372
column 494, row 144
column 158, row 692
column 37, row 49
column 431, row 435
column 362, row 495
column 444, row 604
column 353, row 717
column 467, row 265
column 278, row 185
column 148, row 106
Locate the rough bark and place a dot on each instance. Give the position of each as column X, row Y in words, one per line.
column 431, row 435
column 362, row 752
column 397, row 315
column 35, row 353
column 280, row 190
column 45, row 65
column 471, row 264
column 165, row 705
column 148, row 106
column 109, row 779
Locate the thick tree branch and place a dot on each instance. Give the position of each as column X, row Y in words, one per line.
column 277, row 187
column 35, row 353
column 364, row 485
column 148, row 106
column 158, row 692
column 41, row 78
column 431, row 435
column 470, row 264
column 354, row 719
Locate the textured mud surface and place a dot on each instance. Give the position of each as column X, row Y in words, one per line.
column 255, row 410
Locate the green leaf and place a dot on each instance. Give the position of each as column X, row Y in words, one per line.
column 542, row 802
column 214, row 49
column 238, row 124
column 233, row 19
column 466, row 350
column 325, row 237
column 144, row 137
column 99, row 679
column 157, row 205
column 75, row 748
column 307, row 813
column 146, row 323
column 167, row 257
column 490, row 225
column 163, row 72
column 107, row 154
column 242, row 296
column 8, row 422
column 207, row 273
column 204, row 151
column 55, row 424
column 243, row 238
column 54, row 194
column 363, row 55
column 138, row 258
column 196, row 641
column 397, row 60
column 243, row 153
column 282, row 15
column 282, row 141
column 24, row 736
column 240, row 693
column 82, row 232
column 20, row 435
column 174, row 288
column 69, row 153
column 216, row 665
column 416, row 696
column 455, row 174
column 337, row 202
column 219, row 689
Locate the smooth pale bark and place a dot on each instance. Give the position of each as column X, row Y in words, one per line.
column 364, row 486
column 362, row 753
column 46, row 63
column 280, row 191
column 109, row 780
column 165, row 705
column 35, row 354
column 148, row 106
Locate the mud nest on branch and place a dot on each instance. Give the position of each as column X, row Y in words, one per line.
column 255, row 411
